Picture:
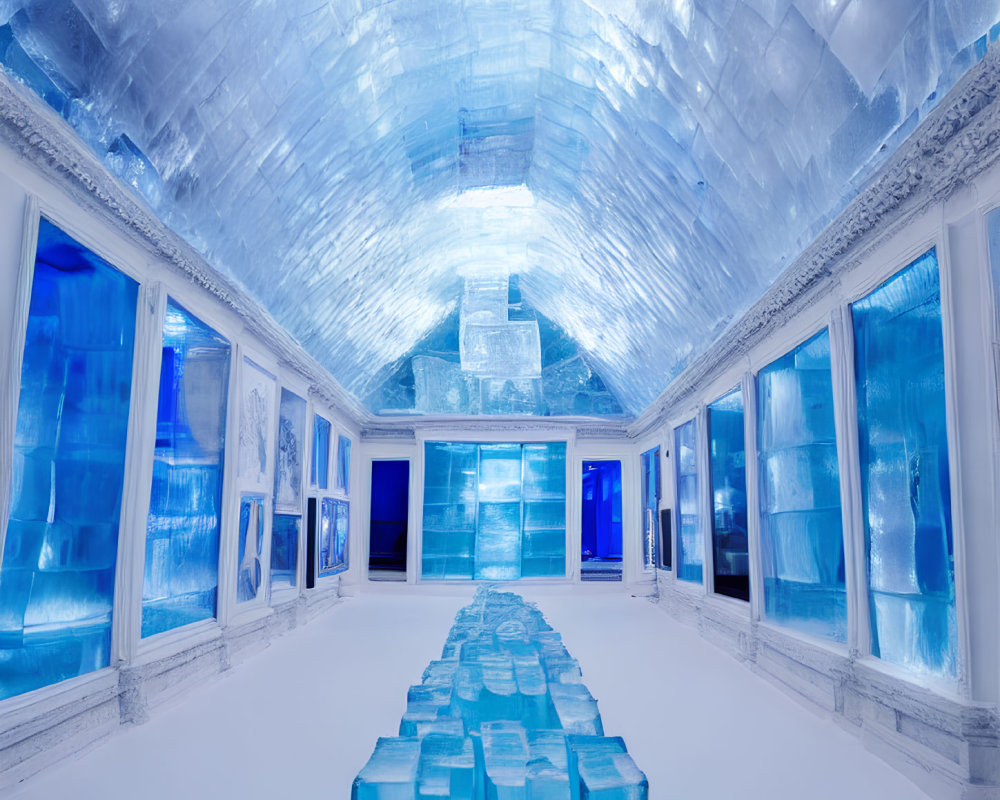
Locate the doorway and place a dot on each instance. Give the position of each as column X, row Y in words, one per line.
column 601, row 521
column 390, row 499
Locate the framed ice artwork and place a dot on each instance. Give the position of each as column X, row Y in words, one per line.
column 251, row 544
column 288, row 464
column 334, row 527
column 256, row 423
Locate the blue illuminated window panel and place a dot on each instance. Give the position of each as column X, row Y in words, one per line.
column 57, row 573
column 181, row 574
column 344, row 464
column 650, row 506
column 802, row 542
column 690, row 555
column 727, row 463
column 320, row 473
column 899, row 366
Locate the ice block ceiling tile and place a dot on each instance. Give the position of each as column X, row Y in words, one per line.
column 677, row 156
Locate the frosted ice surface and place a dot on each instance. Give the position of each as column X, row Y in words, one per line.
column 492, row 718
column 291, row 449
column 616, row 144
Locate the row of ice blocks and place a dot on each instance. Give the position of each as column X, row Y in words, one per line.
column 503, row 715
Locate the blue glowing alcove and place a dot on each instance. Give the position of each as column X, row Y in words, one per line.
column 502, row 714
column 320, row 467
column 802, row 542
column 899, row 367
column 391, row 155
column 181, row 566
column 57, row 574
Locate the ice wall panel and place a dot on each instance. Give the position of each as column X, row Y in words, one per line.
column 284, row 550
column 650, row 506
column 57, row 573
column 802, row 545
column 899, row 370
column 181, row 572
column 690, row 555
column 494, row 511
column 344, row 464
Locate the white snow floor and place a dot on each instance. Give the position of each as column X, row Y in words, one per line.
column 301, row 718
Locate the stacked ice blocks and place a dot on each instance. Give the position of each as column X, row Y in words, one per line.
column 503, row 715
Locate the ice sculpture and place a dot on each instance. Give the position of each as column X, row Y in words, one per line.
column 636, row 132
column 344, row 464
column 256, row 423
column 503, row 715
column 902, row 425
column 334, row 527
column 284, row 549
column 650, row 506
column 728, row 483
column 181, row 574
column 288, row 466
column 432, row 379
column 802, row 544
column 690, row 555
column 320, row 471
column 494, row 511
column 57, row 574
column 251, row 545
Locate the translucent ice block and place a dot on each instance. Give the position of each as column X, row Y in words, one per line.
column 728, row 486
column 291, row 450
column 576, row 708
column 284, row 549
column 505, row 756
column 447, row 767
column 391, row 772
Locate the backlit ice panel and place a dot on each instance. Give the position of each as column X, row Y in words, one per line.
column 899, row 366
column 57, row 574
column 181, row 575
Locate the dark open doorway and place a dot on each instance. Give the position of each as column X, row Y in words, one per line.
column 601, row 521
column 389, row 513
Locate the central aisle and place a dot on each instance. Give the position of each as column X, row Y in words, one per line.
column 301, row 718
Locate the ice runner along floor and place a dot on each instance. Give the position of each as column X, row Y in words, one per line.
column 503, row 713
column 302, row 717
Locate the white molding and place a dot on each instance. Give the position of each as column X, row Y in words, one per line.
column 12, row 382
column 138, row 480
column 752, row 460
column 845, row 412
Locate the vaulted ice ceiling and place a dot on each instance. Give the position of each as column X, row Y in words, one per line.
column 645, row 169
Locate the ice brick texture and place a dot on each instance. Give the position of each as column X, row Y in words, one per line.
column 181, row 569
column 802, row 540
column 57, row 575
column 905, row 482
column 503, row 715
column 494, row 511
column 646, row 168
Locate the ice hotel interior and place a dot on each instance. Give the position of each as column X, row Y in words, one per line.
column 500, row 399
